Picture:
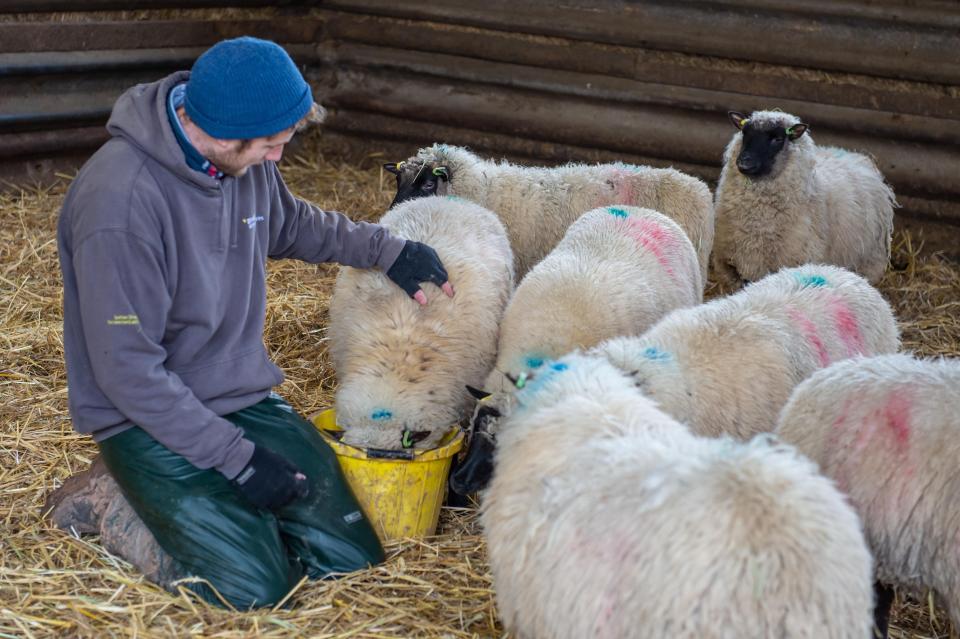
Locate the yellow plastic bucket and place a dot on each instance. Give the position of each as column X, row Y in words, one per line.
column 401, row 492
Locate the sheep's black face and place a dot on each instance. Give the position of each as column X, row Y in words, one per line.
column 762, row 144
column 417, row 181
column 477, row 468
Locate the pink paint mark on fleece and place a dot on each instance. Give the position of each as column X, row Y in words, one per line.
column 809, row 330
column 896, row 413
column 848, row 328
column 834, row 445
column 623, row 189
column 654, row 238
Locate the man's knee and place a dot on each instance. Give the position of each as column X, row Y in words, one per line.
column 261, row 591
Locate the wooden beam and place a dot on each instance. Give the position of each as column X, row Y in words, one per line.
column 774, row 82
column 881, row 48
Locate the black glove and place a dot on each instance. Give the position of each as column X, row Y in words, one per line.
column 270, row 481
column 417, row 263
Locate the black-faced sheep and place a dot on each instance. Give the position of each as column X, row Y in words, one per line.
column 729, row 366
column 606, row 518
column 402, row 367
column 537, row 204
column 616, row 271
column 887, row 430
column 784, row 201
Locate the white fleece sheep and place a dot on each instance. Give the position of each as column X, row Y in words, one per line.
column 729, row 366
column 537, row 204
column 616, row 271
column 798, row 205
column 606, row 518
column 887, row 430
column 402, row 367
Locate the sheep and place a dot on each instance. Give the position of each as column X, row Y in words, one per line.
column 402, row 367
column 887, row 430
column 616, row 271
column 670, row 535
column 537, row 204
column 728, row 366
column 784, row 201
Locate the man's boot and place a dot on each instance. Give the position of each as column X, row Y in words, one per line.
column 91, row 502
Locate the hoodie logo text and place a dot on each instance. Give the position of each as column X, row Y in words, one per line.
column 252, row 220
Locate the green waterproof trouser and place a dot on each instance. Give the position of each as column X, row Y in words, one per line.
column 252, row 557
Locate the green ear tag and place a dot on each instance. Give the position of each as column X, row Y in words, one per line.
column 790, row 131
column 406, row 440
column 440, row 171
column 521, row 380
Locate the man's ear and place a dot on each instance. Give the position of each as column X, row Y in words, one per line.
column 797, row 130
column 737, row 118
column 392, row 167
column 223, row 145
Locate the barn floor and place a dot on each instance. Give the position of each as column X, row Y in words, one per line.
column 53, row 584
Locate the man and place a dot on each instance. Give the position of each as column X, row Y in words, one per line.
column 163, row 241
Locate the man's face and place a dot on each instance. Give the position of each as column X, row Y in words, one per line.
column 234, row 157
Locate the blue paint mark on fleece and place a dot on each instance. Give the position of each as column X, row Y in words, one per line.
column 534, row 361
column 381, row 414
column 539, row 380
column 811, row 280
column 655, row 354
column 613, row 210
column 455, row 198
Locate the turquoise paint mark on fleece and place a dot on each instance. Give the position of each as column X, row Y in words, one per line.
column 613, row 210
column 381, row 414
column 534, row 361
column 539, row 380
column 455, row 198
column 655, row 354
column 811, row 280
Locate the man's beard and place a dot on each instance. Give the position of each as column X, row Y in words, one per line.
column 229, row 162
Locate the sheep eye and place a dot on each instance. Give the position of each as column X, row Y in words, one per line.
column 429, row 185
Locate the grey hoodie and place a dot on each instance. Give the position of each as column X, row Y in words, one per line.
column 164, row 272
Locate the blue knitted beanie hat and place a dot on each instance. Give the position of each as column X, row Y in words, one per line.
column 246, row 88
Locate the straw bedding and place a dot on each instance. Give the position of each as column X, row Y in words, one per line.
column 53, row 584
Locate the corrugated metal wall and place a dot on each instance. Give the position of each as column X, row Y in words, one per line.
column 586, row 79
column 64, row 62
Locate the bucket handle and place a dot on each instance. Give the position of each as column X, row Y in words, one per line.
column 382, row 453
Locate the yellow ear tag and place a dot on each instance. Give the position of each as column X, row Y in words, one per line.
column 743, row 122
column 400, row 164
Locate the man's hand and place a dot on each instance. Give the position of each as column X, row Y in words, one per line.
column 418, row 263
column 269, row 481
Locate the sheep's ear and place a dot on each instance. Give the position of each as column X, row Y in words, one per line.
column 393, row 167
column 737, row 118
column 797, row 130
column 519, row 380
column 478, row 394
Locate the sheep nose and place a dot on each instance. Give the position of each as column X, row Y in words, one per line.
column 747, row 165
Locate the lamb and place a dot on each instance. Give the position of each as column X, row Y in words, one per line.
column 784, row 201
column 402, row 367
column 537, row 204
column 673, row 536
column 887, row 430
column 616, row 271
column 728, row 366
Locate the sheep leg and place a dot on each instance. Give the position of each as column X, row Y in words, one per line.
column 883, row 598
